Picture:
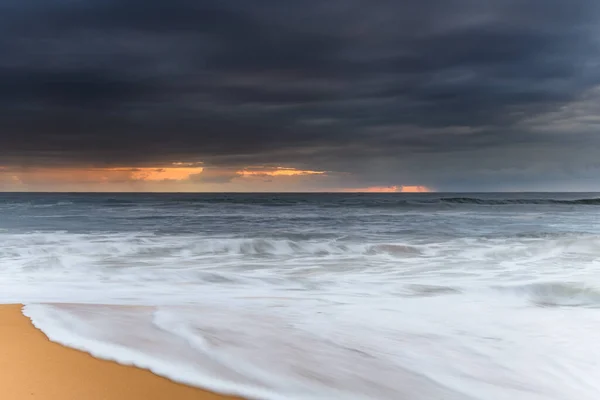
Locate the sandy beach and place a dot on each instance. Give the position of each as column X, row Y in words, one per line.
column 35, row 368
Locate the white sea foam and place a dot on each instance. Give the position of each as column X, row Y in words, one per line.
column 322, row 316
column 346, row 347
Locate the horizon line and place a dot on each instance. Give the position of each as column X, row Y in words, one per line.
column 301, row 192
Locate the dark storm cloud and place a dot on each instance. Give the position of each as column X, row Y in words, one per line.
column 387, row 90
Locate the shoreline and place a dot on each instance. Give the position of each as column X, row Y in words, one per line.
column 34, row 367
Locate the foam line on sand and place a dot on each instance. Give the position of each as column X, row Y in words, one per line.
column 35, row 368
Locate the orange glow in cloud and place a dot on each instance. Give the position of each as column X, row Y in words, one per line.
column 378, row 189
column 173, row 177
column 56, row 178
column 415, row 189
column 190, row 177
column 278, row 171
column 160, row 174
column 390, row 189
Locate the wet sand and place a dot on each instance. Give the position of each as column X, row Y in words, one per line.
column 32, row 367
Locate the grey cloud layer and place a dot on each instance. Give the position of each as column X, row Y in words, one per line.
column 445, row 92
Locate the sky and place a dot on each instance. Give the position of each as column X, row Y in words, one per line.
column 311, row 95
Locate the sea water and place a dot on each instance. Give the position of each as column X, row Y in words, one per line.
column 319, row 296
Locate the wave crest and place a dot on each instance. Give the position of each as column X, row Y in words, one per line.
column 266, row 247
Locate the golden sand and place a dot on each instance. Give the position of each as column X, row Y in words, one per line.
column 32, row 367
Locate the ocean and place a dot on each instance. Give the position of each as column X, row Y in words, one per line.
column 319, row 296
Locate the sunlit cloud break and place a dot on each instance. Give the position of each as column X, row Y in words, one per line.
column 161, row 174
column 176, row 176
column 276, row 171
column 390, row 189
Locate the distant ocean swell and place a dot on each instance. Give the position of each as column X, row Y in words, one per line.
column 325, row 201
column 495, row 202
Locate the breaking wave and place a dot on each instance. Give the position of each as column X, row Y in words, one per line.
column 105, row 247
column 289, row 247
